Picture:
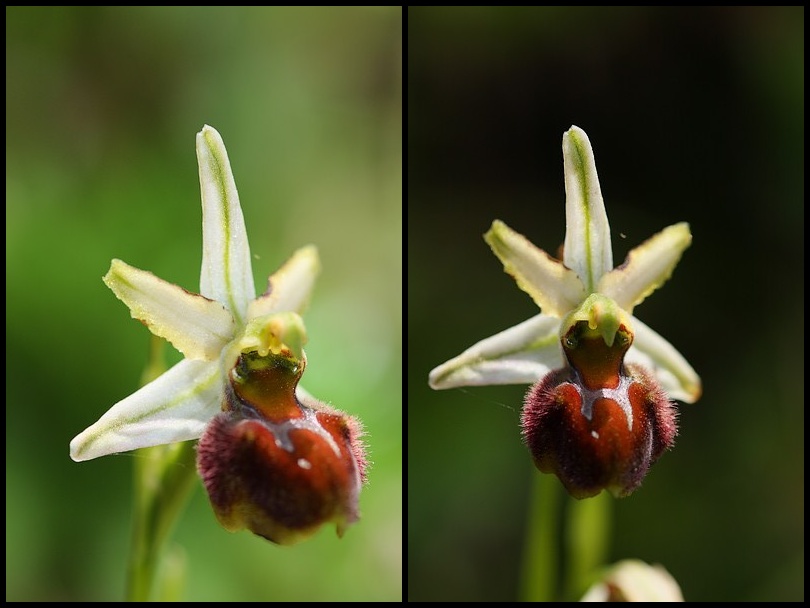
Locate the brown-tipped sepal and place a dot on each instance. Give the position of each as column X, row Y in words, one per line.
column 598, row 439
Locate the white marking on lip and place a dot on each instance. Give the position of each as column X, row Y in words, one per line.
column 304, row 463
column 620, row 394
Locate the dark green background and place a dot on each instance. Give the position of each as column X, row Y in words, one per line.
column 102, row 108
column 695, row 115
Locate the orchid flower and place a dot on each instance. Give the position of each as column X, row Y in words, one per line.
column 599, row 412
column 273, row 458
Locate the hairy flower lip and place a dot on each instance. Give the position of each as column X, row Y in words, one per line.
column 281, row 474
column 277, row 488
column 607, row 441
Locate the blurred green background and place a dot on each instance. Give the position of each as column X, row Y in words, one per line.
column 102, row 108
column 695, row 115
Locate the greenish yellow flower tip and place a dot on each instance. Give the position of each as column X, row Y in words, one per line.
column 680, row 233
column 212, row 157
column 603, row 315
column 308, row 254
column 78, row 447
column 676, row 238
column 576, row 134
column 494, row 235
column 576, row 146
column 693, row 388
column 114, row 274
column 278, row 333
column 211, row 137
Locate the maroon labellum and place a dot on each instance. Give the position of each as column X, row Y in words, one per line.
column 597, row 423
column 277, row 466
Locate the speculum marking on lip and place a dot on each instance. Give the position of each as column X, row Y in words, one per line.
column 619, row 395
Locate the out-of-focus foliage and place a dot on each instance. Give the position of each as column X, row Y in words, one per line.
column 695, row 114
column 102, row 107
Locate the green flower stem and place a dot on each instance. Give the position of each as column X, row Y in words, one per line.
column 586, row 538
column 171, row 580
column 586, row 542
column 541, row 555
column 164, row 477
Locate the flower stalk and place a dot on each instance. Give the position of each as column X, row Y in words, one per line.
column 541, row 564
column 163, row 478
